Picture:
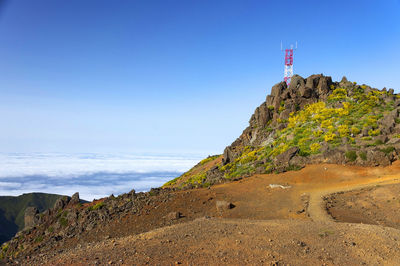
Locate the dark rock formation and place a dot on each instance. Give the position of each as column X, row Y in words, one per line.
column 31, row 218
column 300, row 93
column 75, row 199
column 61, row 203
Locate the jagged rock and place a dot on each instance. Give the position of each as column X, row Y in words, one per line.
column 61, row 203
column 72, row 216
column 75, row 198
column 312, row 81
column 296, row 83
column 324, row 86
column 277, row 89
column 31, row 218
column 381, row 138
column 377, row 157
column 261, row 116
column 285, row 157
column 306, row 92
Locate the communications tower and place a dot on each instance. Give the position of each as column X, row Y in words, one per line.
column 287, row 76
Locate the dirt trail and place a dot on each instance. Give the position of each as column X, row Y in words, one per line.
column 269, row 224
column 316, row 207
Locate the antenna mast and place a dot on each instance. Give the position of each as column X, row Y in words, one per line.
column 288, row 73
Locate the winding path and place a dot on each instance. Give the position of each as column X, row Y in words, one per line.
column 316, row 206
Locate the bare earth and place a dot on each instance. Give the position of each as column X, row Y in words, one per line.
column 268, row 225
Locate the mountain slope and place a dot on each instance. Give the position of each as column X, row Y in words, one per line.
column 313, row 120
column 12, row 211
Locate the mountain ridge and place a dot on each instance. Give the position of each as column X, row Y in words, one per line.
column 313, row 120
column 12, row 211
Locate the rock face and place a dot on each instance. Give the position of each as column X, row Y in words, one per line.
column 358, row 135
column 75, row 199
column 300, row 93
column 285, row 157
column 51, row 228
column 61, row 203
column 31, row 218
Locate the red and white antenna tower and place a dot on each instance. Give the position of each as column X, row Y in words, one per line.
column 287, row 76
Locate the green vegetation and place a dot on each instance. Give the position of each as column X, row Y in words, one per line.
column 337, row 121
column 62, row 218
column 363, row 156
column 63, row 221
column 97, row 206
column 351, row 155
column 344, row 118
column 3, row 251
column 195, row 176
column 208, row 159
column 12, row 210
column 172, row 182
column 39, row 239
column 388, row 150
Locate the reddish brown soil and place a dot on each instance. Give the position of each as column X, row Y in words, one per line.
column 275, row 224
column 378, row 205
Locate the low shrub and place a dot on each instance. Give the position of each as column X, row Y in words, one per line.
column 363, row 155
column 351, row 155
column 388, row 150
column 96, row 206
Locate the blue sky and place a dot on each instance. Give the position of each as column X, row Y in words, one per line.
column 169, row 75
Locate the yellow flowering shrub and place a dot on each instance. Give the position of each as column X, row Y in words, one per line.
column 315, row 147
column 355, row 130
column 372, row 132
column 343, row 130
column 329, row 137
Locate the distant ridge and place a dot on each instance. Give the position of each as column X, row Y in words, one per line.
column 12, row 211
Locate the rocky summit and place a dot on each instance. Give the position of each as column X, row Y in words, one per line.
column 307, row 141
column 313, row 120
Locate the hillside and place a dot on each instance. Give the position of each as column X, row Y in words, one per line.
column 314, row 120
column 309, row 148
column 12, row 211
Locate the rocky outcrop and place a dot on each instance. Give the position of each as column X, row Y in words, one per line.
column 282, row 101
column 68, row 219
column 347, row 137
column 31, row 217
column 75, row 199
column 285, row 157
column 61, row 203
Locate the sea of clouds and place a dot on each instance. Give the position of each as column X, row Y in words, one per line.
column 93, row 175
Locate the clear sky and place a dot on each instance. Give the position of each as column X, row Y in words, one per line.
column 172, row 75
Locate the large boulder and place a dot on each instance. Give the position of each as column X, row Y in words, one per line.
column 277, row 89
column 312, row 81
column 61, row 203
column 75, row 199
column 31, row 217
column 261, row 116
column 306, row 92
column 296, row 83
column 285, row 157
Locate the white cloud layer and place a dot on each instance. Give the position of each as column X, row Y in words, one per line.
column 92, row 175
